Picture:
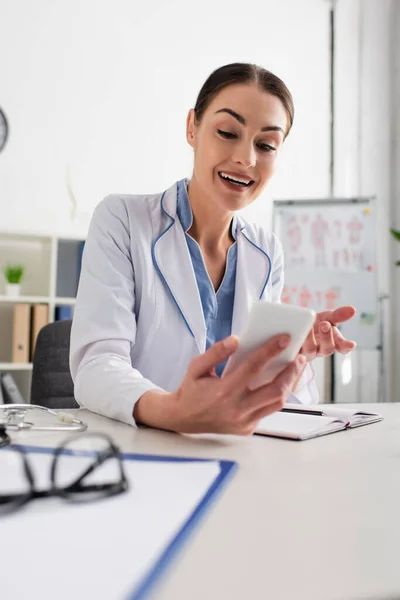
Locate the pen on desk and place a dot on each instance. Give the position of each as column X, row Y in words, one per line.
column 300, row 411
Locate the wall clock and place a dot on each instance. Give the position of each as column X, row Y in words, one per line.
column 3, row 130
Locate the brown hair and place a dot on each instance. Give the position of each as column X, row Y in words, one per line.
column 243, row 73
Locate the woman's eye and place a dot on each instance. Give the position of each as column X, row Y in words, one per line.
column 226, row 134
column 266, row 148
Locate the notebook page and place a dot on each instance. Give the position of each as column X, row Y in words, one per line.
column 295, row 425
column 365, row 419
column 347, row 415
column 350, row 415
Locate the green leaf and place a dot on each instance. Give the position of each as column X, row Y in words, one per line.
column 13, row 273
column 395, row 234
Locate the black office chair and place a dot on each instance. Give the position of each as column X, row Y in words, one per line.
column 52, row 385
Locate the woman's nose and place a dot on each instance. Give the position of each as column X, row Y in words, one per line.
column 245, row 155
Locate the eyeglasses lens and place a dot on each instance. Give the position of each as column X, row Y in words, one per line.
column 87, row 468
column 15, row 486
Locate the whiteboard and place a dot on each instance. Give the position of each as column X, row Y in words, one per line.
column 331, row 260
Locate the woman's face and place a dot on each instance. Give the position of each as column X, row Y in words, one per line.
column 236, row 144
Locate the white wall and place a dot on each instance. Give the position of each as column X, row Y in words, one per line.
column 395, row 196
column 100, row 89
column 367, row 102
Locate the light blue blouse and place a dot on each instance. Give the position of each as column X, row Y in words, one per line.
column 217, row 306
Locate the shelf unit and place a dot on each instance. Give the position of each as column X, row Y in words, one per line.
column 16, row 367
column 52, row 268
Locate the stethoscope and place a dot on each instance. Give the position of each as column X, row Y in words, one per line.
column 12, row 417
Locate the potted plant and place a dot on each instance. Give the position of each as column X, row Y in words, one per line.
column 396, row 235
column 13, row 275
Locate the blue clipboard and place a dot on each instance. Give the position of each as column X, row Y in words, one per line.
column 153, row 576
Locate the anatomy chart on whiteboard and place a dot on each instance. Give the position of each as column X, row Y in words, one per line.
column 330, row 259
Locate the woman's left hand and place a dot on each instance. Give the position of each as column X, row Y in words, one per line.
column 325, row 338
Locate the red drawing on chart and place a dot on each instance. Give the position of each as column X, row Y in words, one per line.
column 346, row 257
column 337, row 228
column 286, row 295
column 319, row 297
column 305, row 296
column 331, row 297
column 336, row 242
column 319, row 229
column 357, row 257
column 336, row 258
column 294, row 234
column 304, row 219
column 354, row 227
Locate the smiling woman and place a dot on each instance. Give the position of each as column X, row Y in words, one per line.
column 168, row 278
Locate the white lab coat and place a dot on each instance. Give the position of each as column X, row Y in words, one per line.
column 138, row 319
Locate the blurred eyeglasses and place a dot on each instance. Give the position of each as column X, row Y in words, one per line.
column 83, row 468
column 5, row 439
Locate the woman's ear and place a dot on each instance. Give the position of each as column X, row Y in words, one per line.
column 191, row 128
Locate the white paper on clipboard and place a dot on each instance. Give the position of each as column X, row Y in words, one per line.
column 103, row 549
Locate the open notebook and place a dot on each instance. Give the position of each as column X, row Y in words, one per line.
column 304, row 422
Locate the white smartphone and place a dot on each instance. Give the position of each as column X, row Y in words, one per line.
column 266, row 320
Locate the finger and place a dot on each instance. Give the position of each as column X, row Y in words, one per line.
column 237, row 381
column 339, row 315
column 217, row 353
column 310, row 346
column 342, row 345
column 264, row 412
column 325, row 339
column 278, row 389
column 298, row 379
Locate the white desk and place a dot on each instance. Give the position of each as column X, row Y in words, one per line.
column 318, row 519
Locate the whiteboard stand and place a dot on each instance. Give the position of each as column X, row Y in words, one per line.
column 382, row 359
column 328, row 379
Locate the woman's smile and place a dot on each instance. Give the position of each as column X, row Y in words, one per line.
column 235, row 181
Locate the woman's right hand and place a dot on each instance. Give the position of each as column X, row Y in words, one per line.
column 206, row 403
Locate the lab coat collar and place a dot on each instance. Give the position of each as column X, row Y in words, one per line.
column 172, row 260
column 253, row 273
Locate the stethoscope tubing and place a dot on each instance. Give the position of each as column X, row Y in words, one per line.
column 71, row 423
